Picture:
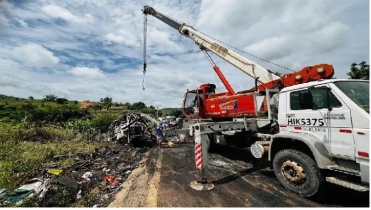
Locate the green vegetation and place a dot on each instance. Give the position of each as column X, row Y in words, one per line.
column 32, row 131
column 359, row 71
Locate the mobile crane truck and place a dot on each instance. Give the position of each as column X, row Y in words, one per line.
column 311, row 128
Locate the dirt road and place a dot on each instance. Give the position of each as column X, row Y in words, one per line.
column 164, row 182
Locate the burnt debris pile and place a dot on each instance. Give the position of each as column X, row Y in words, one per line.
column 88, row 180
column 91, row 181
column 133, row 128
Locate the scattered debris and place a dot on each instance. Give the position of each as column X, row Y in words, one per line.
column 91, row 180
column 56, row 172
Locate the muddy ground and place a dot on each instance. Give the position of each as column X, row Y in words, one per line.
column 163, row 181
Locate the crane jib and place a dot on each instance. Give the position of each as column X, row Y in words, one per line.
column 150, row 11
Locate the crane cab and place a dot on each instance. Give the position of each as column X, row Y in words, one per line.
column 194, row 101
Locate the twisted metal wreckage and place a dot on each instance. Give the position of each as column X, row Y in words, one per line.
column 134, row 128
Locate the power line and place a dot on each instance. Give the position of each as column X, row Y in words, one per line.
column 34, row 83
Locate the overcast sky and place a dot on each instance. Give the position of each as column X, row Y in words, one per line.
column 93, row 48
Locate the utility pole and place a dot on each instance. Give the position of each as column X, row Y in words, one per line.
column 157, row 112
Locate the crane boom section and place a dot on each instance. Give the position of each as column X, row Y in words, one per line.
column 246, row 66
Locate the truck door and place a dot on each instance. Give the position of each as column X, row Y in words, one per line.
column 309, row 113
column 337, row 117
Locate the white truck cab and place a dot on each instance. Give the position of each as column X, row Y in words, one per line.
column 331, row 118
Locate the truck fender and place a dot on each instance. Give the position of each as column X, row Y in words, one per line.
column 315, row 145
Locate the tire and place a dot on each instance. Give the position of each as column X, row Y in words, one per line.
column 310, row 186
column 211, row 145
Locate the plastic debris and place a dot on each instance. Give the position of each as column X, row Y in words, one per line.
column 110, row 178
column 17, row 196
column 66, row 182
column 128, row 172
column 56, row 172
column 106, row 170
column 87, row 176
column 78, row 196
column 2, row 192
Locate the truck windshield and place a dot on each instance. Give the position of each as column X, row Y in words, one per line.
column 357, row 91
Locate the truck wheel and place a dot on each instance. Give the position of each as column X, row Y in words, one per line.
column 211, row 145
column 298, row 173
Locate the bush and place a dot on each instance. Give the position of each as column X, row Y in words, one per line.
column 18, row 157
column 102, row 123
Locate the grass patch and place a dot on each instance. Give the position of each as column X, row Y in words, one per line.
column 17, row 159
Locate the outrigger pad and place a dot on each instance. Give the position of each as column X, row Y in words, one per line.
column 201, row 186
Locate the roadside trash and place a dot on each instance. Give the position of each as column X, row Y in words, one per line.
column 110, row 178
column 56, row 172
column 123, row 169
column 106, row 170
column 33, row 184
column 78, row 196
column 66, row 182
column 170, row 144
column 128, row 172
column 17, row 196
column 2, row 192
column 80, row 184
column 87, row 176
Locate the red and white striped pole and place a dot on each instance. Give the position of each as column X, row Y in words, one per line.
column 201, row 161
column 198, row 155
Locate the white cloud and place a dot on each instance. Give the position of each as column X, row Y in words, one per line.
column 93, row 48
column 3, row 20
column 34, row 55
column 86, row 72
column 59, row 12
column 21, row 22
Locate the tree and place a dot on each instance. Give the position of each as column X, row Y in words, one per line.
column 98, row 106
column 61, row 100
column 31, row 98
column 107, row 102
column 28, row 107
column 176, row 113
column 359, row 71
column 127, row 106
column 160, row 113
column 138, row 106
column 50, row 97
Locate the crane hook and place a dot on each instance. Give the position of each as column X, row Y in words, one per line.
column 144, row 72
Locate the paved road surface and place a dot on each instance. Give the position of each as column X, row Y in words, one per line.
column 164, row 182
